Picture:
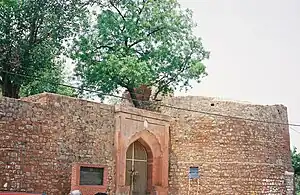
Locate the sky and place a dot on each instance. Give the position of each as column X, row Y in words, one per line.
column 254, row 46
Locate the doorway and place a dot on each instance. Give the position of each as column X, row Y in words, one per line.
column 137, row 169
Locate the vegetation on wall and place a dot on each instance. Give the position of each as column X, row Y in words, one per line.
column 296, row 166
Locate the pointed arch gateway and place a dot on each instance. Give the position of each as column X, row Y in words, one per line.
column 146, row 145
column 142, row 168
column 138, row 168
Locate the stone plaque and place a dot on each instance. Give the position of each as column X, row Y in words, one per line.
column 91, row 176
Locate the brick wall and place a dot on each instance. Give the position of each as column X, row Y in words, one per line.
column 42, row 136
column 233, row 156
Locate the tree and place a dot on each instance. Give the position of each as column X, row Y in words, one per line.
column 296, row 166
column 49, row 81
column 140, row 42
column 296, row 161
column 32, row 34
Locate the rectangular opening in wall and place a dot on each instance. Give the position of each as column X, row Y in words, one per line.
column 194, row 173
column 91, row 176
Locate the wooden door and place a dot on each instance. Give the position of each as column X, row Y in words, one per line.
column 136, row 169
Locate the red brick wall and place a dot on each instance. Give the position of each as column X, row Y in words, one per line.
column 233, row 156
column 40, row 141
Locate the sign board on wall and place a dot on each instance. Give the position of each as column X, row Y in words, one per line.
column 194, row 173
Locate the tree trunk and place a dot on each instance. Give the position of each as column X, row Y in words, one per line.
column 133, row 97
column 9, row 89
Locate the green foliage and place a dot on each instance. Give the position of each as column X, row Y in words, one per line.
column 49, row 81
column 296, row 161
column 140, row 42
column 32, row 34
column 296, row 166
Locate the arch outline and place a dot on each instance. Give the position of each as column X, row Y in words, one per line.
column 148, row 140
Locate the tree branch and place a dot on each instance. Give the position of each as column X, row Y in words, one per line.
column 32, row 32
column 117, row 9
column 162, row 85
column 140, row 40
column 120, row 13
column 105, row 46
column 140, row 12
column 38, row 27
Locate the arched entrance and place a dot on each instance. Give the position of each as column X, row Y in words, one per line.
column 151, row 159
column 138, row 169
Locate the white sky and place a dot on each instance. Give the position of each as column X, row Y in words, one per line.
column 254, row 46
